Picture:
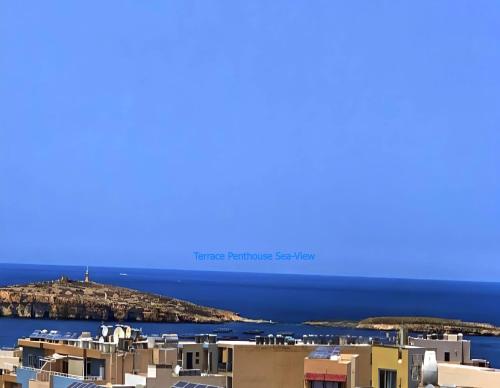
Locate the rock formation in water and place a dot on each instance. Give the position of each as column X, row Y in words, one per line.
column 86, row 300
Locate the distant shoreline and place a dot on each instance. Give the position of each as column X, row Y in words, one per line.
column 86, row 300
column 414, row 324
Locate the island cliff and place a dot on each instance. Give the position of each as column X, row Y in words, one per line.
column 416, row 324
column 86, row 300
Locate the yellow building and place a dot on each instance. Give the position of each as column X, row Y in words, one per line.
column 396, row 367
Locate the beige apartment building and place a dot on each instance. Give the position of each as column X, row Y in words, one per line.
column 249, row 365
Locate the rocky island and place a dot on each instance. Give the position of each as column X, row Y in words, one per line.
column 86, row 300
column 416, row 324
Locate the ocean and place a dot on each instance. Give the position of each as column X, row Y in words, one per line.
column 287, row 300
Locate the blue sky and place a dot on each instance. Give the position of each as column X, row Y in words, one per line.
column 135, row 133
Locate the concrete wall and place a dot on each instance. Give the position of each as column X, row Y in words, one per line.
column 165, row 379
column 135, row 380
column 468, row 376
column 9, row 359
column 39, row 384
column 166, row 356
column 75, row 367
column 9, row 381
column 363, row 362
column 23, row 376
column 116, row 365
column 269, row 366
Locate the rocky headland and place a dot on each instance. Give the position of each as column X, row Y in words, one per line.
column 70, row 299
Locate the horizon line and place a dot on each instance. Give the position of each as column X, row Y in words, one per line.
column 253, row 272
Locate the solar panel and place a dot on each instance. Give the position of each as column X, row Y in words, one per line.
column 53, row 335
column 78, row 384
column 325, row 352
column 185, row 384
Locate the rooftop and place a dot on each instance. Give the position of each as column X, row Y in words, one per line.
column 325, row 352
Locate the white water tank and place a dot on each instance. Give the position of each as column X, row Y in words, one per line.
column 430, row 368
column 106, row 330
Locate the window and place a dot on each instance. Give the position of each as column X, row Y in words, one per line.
column 88, row 369
column 416, row 372
column 32, row 361
column 416, row 366
column 326, row 384
column 387, row 378
column 447, row 356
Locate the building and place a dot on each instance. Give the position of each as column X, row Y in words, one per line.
column 327, row 366
column 247, row 364
column 396, row 366
column 119, row 356
column 50, row 359
column 450, row 374
column 9, row 361
column 161, row 376
column 202, row 353
column 250, row 364
column 448, row 347
column 66, row 359
column 123, row 356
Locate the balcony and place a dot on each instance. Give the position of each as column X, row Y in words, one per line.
column 44, row 375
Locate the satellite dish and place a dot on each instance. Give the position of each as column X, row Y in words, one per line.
column 105, row 330
column 118, row 333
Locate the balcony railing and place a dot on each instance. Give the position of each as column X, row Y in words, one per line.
column 43, row 375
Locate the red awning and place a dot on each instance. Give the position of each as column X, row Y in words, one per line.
column 325, row 377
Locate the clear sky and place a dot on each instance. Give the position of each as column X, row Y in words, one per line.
column 367, row 133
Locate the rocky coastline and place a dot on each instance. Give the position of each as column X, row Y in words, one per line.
column 415, row 324
column 86, row 300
